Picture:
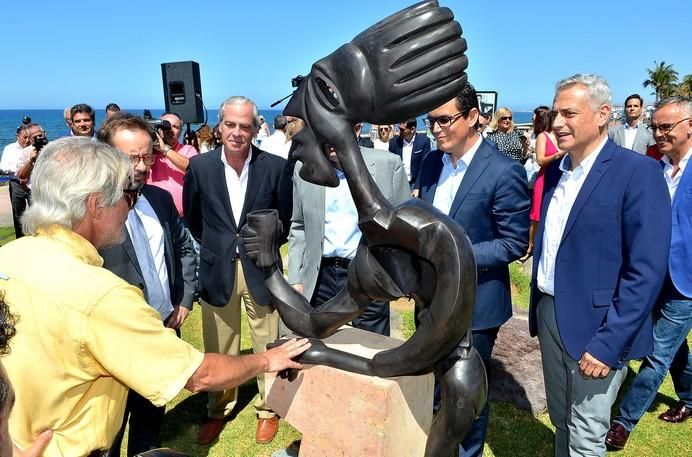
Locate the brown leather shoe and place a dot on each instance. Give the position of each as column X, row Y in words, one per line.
column 266, row 429
column 676, row 414
column 210, row 430
column 616, row 438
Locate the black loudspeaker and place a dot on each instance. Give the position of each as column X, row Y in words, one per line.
column 182, row 90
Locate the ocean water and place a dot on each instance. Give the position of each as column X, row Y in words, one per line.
column 52, row 121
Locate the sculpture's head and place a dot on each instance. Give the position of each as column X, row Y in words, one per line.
column 405, row 65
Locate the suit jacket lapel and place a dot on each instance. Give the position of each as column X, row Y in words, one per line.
column 432, row 176
column 592, row 179
column 129, row 249
column 476, row 168
column 254, row 181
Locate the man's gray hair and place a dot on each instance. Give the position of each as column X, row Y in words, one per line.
column 240, row 100
column 685, row 104
column 598, row 88
column 67, row 171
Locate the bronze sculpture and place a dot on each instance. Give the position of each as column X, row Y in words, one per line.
column 406, row 64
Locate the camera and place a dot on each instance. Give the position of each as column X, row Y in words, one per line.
column 39, row 142
column 295, row 82
column 157, row 124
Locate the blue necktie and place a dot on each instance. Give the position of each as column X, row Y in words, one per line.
column 156, row 296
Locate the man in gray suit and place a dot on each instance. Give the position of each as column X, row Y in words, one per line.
column 324, row 233
column 633, row 134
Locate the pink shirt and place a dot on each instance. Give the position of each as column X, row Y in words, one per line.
column 167, row 176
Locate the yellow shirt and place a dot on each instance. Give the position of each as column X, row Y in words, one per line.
column 83, row 337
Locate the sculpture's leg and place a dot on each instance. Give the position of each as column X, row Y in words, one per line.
column 463, row 391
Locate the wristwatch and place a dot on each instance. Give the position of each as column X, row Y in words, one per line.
column 166, row 148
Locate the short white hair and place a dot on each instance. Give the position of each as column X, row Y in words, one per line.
column 67, row 171
column 597, row 87
column 685, row 104
column 240, row 100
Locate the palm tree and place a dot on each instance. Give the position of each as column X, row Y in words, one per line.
column 663, row 79
column 684, row 89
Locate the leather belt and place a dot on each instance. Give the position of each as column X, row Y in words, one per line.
column 339, row 262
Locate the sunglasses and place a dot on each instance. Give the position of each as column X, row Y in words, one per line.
column 506, row 118
column 131, row 196
column 443, row 121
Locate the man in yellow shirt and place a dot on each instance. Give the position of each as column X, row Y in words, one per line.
column 84, row 336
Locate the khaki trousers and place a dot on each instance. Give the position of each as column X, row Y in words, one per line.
column 221, row 332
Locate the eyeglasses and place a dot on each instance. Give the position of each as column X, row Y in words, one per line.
column 506, row 118
column 666, row 128
column 443, row 121
column 131, row 196
column 147, row 159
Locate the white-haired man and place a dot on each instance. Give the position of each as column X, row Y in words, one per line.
column 221, row 187
column 84, row 336
column 599, row 263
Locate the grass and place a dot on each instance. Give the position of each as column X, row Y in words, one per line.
column 511, row 433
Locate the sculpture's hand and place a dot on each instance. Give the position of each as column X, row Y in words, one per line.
column 261, row 237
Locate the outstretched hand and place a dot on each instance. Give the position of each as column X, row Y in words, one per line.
column 280, row 357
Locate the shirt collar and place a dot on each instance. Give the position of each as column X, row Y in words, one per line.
column 466, row 158
column 627, row 126
column 75, row 243
column 586, row 164
column 225, row 162
column 681, row 165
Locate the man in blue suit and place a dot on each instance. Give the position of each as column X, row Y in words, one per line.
column 599, row 262
column 672, row 126
column 412, row 148
column 486, row 193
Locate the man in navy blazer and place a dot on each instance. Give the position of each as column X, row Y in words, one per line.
column 486, row 193
column 672, row 127
column 220, row 188
column 412, row 148
column 159, row 256
column 599, row 262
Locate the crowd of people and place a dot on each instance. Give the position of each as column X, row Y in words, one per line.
column 120, row 231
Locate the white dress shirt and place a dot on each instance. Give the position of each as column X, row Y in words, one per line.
column 451, row 176
column 630, row 133
column 12, row 156
column 671, row 180
column 558, row 212
column 154, row 231
column 276, row 144
column 341, row 232
column 406, row 154
column 237, row 185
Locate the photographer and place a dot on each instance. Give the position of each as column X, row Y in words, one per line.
column 171, row 158
column 37, row 141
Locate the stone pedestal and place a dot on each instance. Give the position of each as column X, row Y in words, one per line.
column 346, row 414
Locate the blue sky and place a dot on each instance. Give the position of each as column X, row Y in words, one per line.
column 58, row 53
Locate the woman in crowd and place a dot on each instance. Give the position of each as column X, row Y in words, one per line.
column 384, row 134
column 546, row 152
column 205, row 138
column 506, row 138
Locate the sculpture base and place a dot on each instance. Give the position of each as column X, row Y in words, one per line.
column 346, row 414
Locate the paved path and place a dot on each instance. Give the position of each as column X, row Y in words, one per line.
column 5, row 207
